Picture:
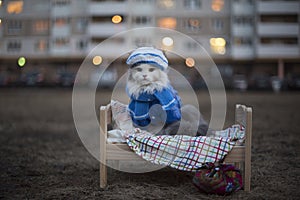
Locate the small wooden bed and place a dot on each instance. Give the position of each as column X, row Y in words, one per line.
column 240, row 155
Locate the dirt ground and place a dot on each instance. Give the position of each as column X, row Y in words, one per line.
column 42, row 156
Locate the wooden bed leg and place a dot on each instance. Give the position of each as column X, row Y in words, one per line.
column 248, row 144
column 103, row 175
column 103, row 138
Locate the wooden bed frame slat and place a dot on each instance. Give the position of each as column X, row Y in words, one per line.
column 239, row 155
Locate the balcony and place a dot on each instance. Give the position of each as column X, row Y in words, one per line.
column 63, row 31
column 105, row 29
column 242, row 30
column 242, row 52
column 277, row 7
column 107, row 8
column 277, row 51
column 64, row 11
column 242, row 9
column 143, row 8
column 278, row 29
column 110, row 50
column 60, row 50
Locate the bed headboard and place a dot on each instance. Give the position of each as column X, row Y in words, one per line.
column 243, row 116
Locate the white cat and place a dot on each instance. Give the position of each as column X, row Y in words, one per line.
column 146, row 78
column 154, row 105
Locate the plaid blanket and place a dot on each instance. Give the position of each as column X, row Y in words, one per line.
column 180, row 151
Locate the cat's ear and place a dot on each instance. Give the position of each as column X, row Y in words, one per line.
column 164, row 51
column 125, row 58
column 129, row 76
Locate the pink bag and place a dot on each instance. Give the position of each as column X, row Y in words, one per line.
column 222, row 179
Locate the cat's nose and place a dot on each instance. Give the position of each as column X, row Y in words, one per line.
column 144, row 75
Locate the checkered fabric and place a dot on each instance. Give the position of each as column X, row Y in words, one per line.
column 180, row 151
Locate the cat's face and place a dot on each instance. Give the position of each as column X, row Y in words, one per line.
column 146, row 78
column 145, row 74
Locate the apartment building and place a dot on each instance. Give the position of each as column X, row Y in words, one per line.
column 242, row 36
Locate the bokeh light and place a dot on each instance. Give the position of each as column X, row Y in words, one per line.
column 14, row 7
column 167, row 41
column 167, row 22
column 218, row 45
column 217, row 5
column 97, row 60
column 116, row 19
column 190, row 62
column 21, row 61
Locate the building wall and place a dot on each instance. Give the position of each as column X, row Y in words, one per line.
column 235, row 33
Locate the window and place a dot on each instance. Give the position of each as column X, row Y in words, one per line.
column 41, row 45
column 279, row 41
column 192, row 4
column 115, row 40
column 244, row 1
column 14, row 27
column 290, row 18
column 168, row 22
column 97, row 40
column 166, row 4
column 217, row 5
column 243, row 21
column 61, row 22
column 14, row 46
column 60, row 42
column 217, row 24
column 14, row 7
column 81, row 24
column 61, row 2
column 242, row 41
column 144, row 1
column 141, row 20
column 40, row 6
column 192, row 24
column 41, row 26
column 82, row 44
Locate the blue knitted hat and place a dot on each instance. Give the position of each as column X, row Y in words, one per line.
column 148, row 55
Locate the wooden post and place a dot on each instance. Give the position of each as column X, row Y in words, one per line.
column 103, row 138
column 248, row 144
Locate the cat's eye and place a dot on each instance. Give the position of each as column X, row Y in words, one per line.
column 138, row 69
column 151, row 69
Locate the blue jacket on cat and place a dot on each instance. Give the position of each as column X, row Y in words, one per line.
column 169, row 109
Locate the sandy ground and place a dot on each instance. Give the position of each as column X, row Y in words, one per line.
column 42, row 156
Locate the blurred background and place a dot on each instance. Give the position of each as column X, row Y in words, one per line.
column 255, row 44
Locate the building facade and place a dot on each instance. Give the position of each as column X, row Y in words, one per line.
column 242, row 36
